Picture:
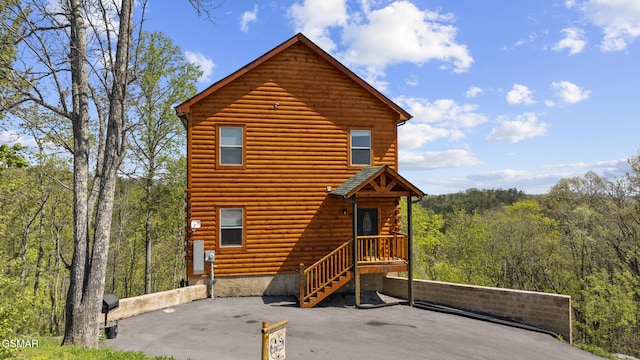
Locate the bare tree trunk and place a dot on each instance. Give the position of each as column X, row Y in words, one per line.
column 147, row 228
column 36, row 281
column 84, row 324
column 178, row 257
column 79, row 329
column 148, row 248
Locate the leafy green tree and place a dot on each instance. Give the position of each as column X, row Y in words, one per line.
column 84, row 63
column 528, row 248
column 427, row 240
column 466, row 259
column 609, row 311
column 165, row 78
column 9, row 23
column 10, row 156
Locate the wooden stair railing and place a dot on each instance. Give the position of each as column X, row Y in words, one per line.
column 326, row 276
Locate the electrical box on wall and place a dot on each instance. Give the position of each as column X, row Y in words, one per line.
column 198, row 257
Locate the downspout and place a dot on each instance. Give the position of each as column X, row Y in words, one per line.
column 354, row 223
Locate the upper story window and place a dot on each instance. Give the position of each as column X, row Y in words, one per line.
column 231, row 227
column 360, row 142
column 231, row 150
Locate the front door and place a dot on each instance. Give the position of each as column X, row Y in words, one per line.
column 367, row 222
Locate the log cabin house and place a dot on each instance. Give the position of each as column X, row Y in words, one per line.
column 290, row 159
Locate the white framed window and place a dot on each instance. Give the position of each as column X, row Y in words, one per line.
column 231, row 227
column 231, row 146
column 360, row 143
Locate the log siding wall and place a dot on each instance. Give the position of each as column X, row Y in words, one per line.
column 293, row 152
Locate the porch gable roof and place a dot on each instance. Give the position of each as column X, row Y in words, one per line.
column 392, row 184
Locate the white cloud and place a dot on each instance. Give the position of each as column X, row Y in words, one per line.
column 374, row 38
column 401, row 32
column 412, row 136
column 570, row 93
column 520, row 94
column 531, row 38
column 607, row 164
column 11, row 137
column 206, row 65
column 409, row 160
column 619, row 20
column 445, row 112
column 441, row 119
column 413, row 80
column 525, row 126
column 502, row 175
column 248, row 17
column 314, row 18
column 473, row 91
column 573, row 41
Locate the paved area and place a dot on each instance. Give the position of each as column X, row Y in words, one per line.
column 230, row 328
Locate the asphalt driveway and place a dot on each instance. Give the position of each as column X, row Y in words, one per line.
column 230, row 328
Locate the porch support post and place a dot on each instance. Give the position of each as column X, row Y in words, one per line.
column 355, row 253
column 410, row 250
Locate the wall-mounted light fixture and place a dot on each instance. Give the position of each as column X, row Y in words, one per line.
column 344, row 211
column 276, row 105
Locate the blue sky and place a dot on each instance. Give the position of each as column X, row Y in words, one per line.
column 504, row 94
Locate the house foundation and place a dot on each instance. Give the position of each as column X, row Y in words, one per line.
column 276, row 285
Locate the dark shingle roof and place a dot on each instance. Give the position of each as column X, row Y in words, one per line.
column 364, row 176
column 360, row 178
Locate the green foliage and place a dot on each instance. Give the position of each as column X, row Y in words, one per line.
column 49, row 348
column 473, row 200
column 14, row 312
column 8, row 34
column 581, row 239
column 608, row 309
column 596, row 350
column 427, row 228
column 10, row 157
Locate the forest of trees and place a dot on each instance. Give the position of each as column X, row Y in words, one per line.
column 36, row 241
column 98, row 201
column 580, row 239
column 95, row 92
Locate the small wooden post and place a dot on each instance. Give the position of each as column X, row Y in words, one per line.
column 303, row 284
column 265, row 341
column 266, row 331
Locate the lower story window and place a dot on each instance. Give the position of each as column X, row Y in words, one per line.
column 231, row 227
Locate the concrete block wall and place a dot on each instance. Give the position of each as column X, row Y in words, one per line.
column 150, row 302
column 543, row 310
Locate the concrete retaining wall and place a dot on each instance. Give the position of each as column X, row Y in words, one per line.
column 547, row 311
column 151, row 302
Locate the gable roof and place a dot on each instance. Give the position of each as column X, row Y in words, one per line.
column 298, row 38
column 367, row 175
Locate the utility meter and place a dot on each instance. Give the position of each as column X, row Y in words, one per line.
column 209, row 256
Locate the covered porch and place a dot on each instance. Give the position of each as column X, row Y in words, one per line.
column 377, row 244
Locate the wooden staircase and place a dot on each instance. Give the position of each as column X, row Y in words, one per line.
column 326, row 276
column 376, row 254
